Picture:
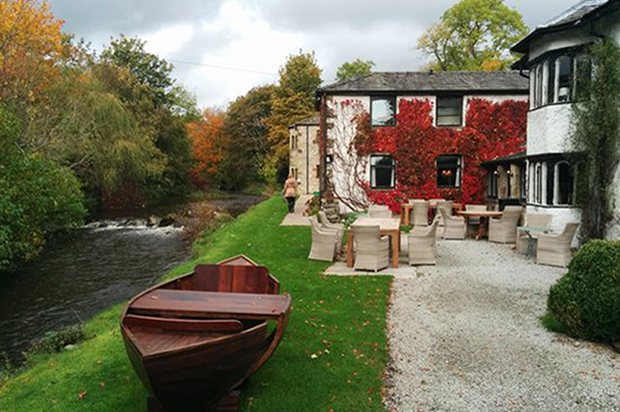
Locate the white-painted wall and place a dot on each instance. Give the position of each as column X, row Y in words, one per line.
column 549, row 127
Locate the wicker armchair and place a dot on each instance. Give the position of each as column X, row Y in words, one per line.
column 379, row 212
column 423, row 246
column 554, row 248
column 372, row 252
column 454, row 226
column 504, row 229
column 420, row 215
column 531, row 220
column 448, row 205
column 326, row 225
column 474, row 222
column 323, row 242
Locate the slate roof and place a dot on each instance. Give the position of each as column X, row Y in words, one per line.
column 310, row 121
column 575, row 16
column 513, row 158
column 416, row 82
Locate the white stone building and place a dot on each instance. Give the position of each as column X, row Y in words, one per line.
column 555, row 59
column 379, row 94
column 304, row 154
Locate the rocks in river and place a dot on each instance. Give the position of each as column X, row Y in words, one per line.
column 167, row 221
column 153, row 221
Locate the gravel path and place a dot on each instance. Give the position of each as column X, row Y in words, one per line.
column 465, row 336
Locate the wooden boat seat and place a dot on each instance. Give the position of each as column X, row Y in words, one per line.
column 193, row 304
column 184, row 325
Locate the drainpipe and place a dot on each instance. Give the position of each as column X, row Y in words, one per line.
column 307, row 160
column 323, row 143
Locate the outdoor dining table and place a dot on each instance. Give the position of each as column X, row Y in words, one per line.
column 406, row 208
column 484, row 222
column 531, row 239
column 387, row 227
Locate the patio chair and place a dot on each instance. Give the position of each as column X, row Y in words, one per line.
column 531, row 220
column 420, row 215
column 372, row 252
column 423, row 246
column 454, row 226
column 448, row 205
column 554, row 248
column 326, row 225
column 474, row 221
column 379, row 212
column 323, row 242
column 504, row 229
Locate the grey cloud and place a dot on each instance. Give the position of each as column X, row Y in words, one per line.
column 338, row 30
column 88, row 18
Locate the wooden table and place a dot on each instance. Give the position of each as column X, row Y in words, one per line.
column 406, row 208
column 484, row 216
column 387, row 227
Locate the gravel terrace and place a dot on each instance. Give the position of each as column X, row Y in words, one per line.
column 465, row 336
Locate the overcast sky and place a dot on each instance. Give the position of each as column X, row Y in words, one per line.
column 207, row 39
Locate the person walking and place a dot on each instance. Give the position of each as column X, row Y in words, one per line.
column 290, row 192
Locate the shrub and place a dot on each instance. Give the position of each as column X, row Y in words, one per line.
column 37, row 197
column 55, row 341
column 586, row 301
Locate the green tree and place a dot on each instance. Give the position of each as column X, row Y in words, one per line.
column 596, row 137
column 473, row 35
column 37, row 198
column 245, row 146
column 161, row 106
column 354, row 69
column 292, row 100
column 146, row 67
column 86, row 127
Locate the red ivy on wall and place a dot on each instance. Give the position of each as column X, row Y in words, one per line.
column 492, row 130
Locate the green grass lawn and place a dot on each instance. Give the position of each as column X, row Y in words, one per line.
column 332, row 357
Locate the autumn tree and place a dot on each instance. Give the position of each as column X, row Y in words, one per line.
column 30, row 43
column 205, row 135
column 245, row 145
column 292, row 100
column 473, row 35
column 354, row 69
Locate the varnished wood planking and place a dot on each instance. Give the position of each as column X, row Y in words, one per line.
column 182, row 350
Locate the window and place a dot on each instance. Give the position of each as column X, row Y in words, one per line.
column 550, row 182
column 539, row 86
column 565, row 78
column 564, row 184
column 449, row 111
column 551, row 82
column 538, row 181
column 449, row 171
column 583, row 76
column 383, row 111
column 382, row 172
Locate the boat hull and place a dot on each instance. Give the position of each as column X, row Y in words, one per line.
column 196, row 338
column 195, row 379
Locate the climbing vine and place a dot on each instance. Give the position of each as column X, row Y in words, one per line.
column 492, row 130
column 595, row 141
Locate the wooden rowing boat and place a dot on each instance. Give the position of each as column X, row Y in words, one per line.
column 196, row 338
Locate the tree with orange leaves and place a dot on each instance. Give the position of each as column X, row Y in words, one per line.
column 204, row 135
column 30, row 44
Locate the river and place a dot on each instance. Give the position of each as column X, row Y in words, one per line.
column 89, row 269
